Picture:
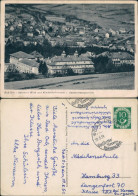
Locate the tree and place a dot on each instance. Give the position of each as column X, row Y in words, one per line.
column 100, row 64
column 50, row 29
column 70, row 72
column 43, row 68
column 103, row 64
column 110, row 67
column 40, row 67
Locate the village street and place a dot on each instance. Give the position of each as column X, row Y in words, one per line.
column 123, row 80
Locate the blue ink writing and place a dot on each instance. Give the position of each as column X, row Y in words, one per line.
column 25, row 168
column 14, row 170
column 54, row 138
column 38, row 179
column 46, row 176
column 46, row 160
column 54, row 112
column 88, row 156
column 54, row 170
column 39, row 127
column 107, row 177
column 38, row 153
column 63, row 167
column 46, row 140
column 16, row 145
column 26, row 139
column 39, row 112
column 31, row 124
column 47, row 125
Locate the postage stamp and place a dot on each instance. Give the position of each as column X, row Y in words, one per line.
column 81, row 102
column 122, row 117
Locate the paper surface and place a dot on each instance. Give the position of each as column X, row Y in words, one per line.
column 69, row 147
column 93, row 85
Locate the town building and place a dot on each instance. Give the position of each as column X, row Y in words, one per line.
column 113, row 47
column 11, row 28
column 130, row 49
column 78, row 64
column 80, row 42
column 24, row 63
column 121, row 47
column 18, row 56
column 37, row 56
column 27, row 66
column 81, row 30
column 122, row 30
column 97, row 38
column 119, row 58
column 96, row 30
column 113, row 33
column 20, row 25
column 107, row 35
column 26, row 43
column 30, row 34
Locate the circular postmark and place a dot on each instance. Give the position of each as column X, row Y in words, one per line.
column 102, row 137
column 81, row 102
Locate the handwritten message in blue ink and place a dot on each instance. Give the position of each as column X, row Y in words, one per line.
column 55, row 152
column 40, row 150
column 15, row 161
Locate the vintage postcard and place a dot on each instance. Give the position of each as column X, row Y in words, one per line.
column 69, row 147
column 68, row 49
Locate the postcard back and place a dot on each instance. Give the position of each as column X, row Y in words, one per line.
column 69, row 147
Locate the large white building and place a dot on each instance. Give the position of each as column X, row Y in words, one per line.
column 24, row 63
column 78, row 64
column 18, row 56
column 119, row 58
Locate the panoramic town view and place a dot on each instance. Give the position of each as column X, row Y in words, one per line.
column 69, row 46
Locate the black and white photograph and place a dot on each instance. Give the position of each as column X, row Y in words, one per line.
column 72, row 46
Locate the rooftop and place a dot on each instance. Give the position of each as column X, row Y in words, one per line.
column 117, row 55
column 36, row 54
column 122, row 56
column 30, row 63
column 68, row 58
column 21, row 54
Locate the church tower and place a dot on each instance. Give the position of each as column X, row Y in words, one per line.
column 76, row 53
column 63, row 54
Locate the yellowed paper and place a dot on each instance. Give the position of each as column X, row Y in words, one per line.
column 69, row 147
column 109, row 30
